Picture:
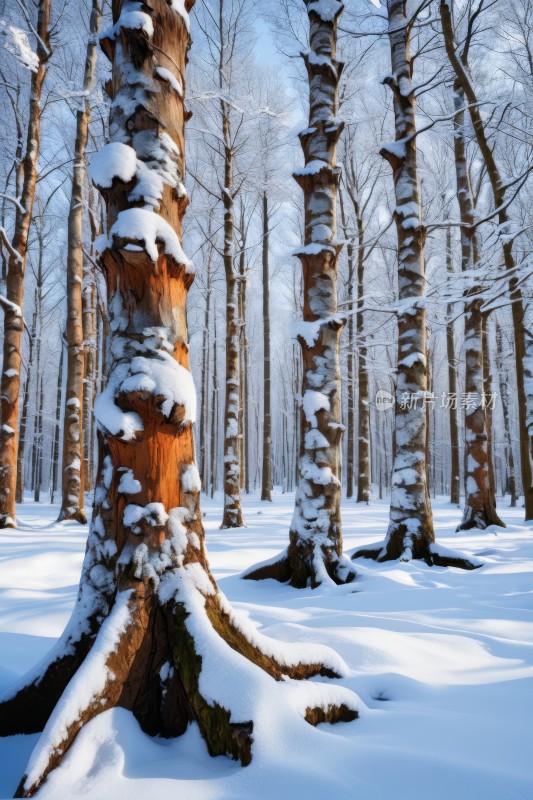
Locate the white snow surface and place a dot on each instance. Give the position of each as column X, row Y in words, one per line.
column 146, row 227
column 441, row 659
column 114, row 160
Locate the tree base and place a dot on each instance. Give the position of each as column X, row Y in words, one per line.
column 159, row 654
column 7, row 521
column 432, row 555
column 314, row 568
column 478, row 520
column 75, row 516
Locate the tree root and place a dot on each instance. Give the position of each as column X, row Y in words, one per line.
column 315, row 567
column 432, row 554
column 150, row 656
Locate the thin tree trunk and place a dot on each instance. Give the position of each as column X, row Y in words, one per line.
column 24, row 415
column 266, row 475
column 350, row 358
column 57, row 428
column 214, row 422
column 480, row 507
column 13, row 320
column 455, row 472
column 505, row 391
column 204, row 405
column 487, row 397
column 363, row 411
column 72, row 501
column 90, row 345
column 459, row 64
column 232, row 516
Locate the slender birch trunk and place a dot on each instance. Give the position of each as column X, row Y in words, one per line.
column 204, row 407
column 505, row 392
column 363, row 409
column 314, row 554
column 350, row 357
column 72, row 501
column 266, row 475
column 13, row 320
column 455, row 471
column 25, row 407
column 459, row 63
column 480, row 507
column 410, row 534
column 55, row 447
column 90, row 345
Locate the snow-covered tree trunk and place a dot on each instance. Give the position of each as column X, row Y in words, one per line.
column 266, row 474
column 459, row 63
column 455, row 472
column 232, row 517
column 13, row 320
column 350, row 356
column 410, row 533
column 505, row 397
column 150, row 631
column 480, row 505
column 364, row 482
column 72, row 499
column 315, row 553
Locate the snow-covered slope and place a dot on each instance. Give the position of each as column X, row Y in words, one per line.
column 441, row 659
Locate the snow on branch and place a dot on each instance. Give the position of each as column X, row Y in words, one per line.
column 16, row 42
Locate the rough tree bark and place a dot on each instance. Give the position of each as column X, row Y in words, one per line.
column 73, row 489
column 459, row 63
column 410, row 534
column 266, row 475
column 505, row 397
column 13, row 321
column 25, row 407
column 54, row 459
column 350, row 356
column 150, row 629
column 232, row 516
column 315, row 553
column 480, row 504
column 455, row 471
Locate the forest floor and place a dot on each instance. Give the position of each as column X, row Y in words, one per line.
column 441, row 659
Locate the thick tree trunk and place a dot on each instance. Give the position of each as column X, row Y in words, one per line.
column 498, row 187
column 480, row 505
column 455, row 471
column 266, row 475
column 150, row 626
column 72, row 501
column 314, row 554
column 410, row 534
column 13, row 321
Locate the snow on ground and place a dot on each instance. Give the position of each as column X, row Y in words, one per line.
column 442, row 660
